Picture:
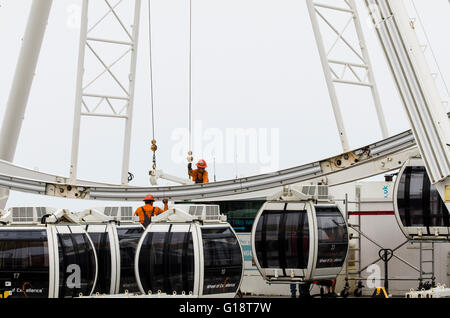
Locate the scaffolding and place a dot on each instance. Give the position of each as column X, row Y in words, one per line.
column 425, row 270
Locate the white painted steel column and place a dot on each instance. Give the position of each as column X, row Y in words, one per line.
column 23, row 78
column 328, row 79
column 79, row 92
column 90, row 98
column 415, row 84
column 132, row 83
column 370, row 75
column 417, row 89
column 22, row 82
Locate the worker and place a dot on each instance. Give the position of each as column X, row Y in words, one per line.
column 146, row 211
column 199, row 175
column 293, row 288
column 330, row 285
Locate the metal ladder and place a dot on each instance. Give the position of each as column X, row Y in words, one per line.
column 426, row 249
column 426, row 258
column 357, row 238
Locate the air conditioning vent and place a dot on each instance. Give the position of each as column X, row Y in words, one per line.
column 323, row 192
column 196, row 210
column 30, row 215
column 111, row 211
column 40, row 212
column 212, row 212
column 305, row 190
column 122, row 213
column 204, row 212
column 317, row 192
column 126, row 213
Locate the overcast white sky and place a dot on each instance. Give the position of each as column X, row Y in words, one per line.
column 255, row 65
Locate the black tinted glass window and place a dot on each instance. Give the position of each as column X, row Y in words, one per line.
column 332, row 237
column 282, row 239
column 418, row 201
column 166, row 262
column 128, row 241
column 272, row 228
column 223, row 261
column 103, row 250
column 76, row 265
column 296, row 240
column 24, row 263
column 180, row 262
column 439, row 215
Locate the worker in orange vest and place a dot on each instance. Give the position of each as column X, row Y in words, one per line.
column 146, row 211
column 199, row 175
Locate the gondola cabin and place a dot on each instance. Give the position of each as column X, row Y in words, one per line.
column 419, row 209
column 299, row 241
column 190, row 249
column 115, row 233
column 40, row 259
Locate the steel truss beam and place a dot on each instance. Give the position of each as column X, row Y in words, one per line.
column 359, row 74
column 88, row 100
column 416, row 86
column 374, row 159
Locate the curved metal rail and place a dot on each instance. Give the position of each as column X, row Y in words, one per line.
column 383, row 156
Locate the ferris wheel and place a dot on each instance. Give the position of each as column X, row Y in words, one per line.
column 299, row 234
column 429, row 135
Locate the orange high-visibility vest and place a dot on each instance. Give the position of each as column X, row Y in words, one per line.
column 198, row 177
column 148, row 208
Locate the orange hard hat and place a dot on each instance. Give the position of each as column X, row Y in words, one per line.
column 201, row 163
column 149, row 197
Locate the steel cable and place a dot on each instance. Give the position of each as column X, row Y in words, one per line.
column 190, row 75
column 152, row 95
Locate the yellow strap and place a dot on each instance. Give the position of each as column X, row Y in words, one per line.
column 379, row 289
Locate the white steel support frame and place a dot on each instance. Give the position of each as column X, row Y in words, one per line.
column 430, row 131
column 23, row 78
column 417, row 88
column 126, row 95
column 332, row 78
column 22, row 82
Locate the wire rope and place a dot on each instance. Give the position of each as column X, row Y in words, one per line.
column 190, row 75
column 189, row 154
column 151, row 68
column 152, row 95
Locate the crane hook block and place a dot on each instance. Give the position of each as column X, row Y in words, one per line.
column 190, row 158
column 154, row 147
